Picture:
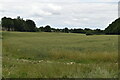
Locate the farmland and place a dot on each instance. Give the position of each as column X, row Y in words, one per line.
column 59, row 55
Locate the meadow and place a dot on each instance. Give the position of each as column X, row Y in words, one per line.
column 1, row 54
column 59, row 55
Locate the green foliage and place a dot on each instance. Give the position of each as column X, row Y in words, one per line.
column 7, row 23
column 31, row 25
column 77, row 31
column 47, row 28
column 65, row 30
column 89, row 33
column 18, row 24
column 114, row 27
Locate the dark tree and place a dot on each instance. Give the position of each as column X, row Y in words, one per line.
column 113, row 28
column 41, row 29
column 77, row 30
column 98, row 31
column 4, row 23
column 31, row 25
column 47, row 28
column 7, row 23
column 18, row 24
column 66, row 30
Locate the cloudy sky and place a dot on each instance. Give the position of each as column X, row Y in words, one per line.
column 63, row 13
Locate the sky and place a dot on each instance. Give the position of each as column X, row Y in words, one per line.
column 63, row 13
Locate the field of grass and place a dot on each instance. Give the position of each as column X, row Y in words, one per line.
column 59, row 55
column 1, row 54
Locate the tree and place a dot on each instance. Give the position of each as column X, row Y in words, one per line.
column 66, row 30
column 7, row 23
column 4, row 23
column 41, row 29
column 77, row 30
column 113, row 28
column 31, row 25
column 47, row 28
column 98, row 31
column 18, row 24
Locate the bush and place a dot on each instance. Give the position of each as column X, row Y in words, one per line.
column 89, row 33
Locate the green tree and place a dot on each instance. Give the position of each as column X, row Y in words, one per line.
column 31, row 25
column 47, row 28
column 114, row 27
column 7, row 23
column 66, row 30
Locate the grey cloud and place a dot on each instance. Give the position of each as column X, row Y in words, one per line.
column 63, row 14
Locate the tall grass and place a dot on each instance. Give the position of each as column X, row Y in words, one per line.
column 93, row 56
column 0, row 55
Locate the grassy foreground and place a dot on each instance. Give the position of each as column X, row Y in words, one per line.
column 1, row 54
column 59, row 55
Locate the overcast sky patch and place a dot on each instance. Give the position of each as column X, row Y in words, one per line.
column 63, row 13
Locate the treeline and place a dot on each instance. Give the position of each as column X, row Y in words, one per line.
column 114, row 27
column 18, row 24
column 66, row 30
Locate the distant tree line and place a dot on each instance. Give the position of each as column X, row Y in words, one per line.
column 66, row 30
column 18, row 24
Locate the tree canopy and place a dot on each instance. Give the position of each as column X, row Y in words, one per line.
column 18, row 24
column 114, row 27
